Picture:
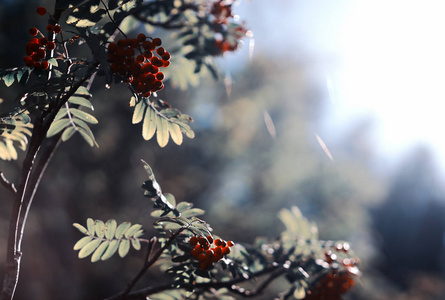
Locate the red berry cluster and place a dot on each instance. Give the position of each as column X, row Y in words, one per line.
column 207, row 255
column 331, row 287
column 221, row 10
column 229, row 36
column 138, row 61
column 36, row 47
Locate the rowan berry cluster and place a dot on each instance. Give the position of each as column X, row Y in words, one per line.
column 37, row 46
column 221, row 10
column 228, row 35
column 207, row 255
column 139, row 61
column 331, row 287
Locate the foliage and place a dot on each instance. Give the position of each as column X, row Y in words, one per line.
column 55, row 102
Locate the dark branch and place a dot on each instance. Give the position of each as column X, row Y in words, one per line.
column 10, row 186
column 147, row 264
column 274, row 271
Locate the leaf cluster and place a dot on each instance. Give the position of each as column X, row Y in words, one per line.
column 103, row 240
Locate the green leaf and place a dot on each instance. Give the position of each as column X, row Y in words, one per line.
column 84, row 116
column 57, row 126
column 90, row 226
column 81, row 101
column 81, row 228
column 112, row 248
column 139, row 233
column 100, row 228
column 82, row 91
column 87, row 136
column 175, row 133
column 170, row 112
column 124, row 247
column 82, row 242
column 192, row 212
column 139, row 110
column 132, row 230
column 9, row 79
column 110, row 228
column 68, row 133
column 136, row 244
column 62, row 113
column 53, row 61
column 121, row 229
column 184, row 206
column 99, row 251
column 162, row 132
column 89, row 248
column 187, row 130
column 149, row 125
column 299, row 292
column 170, row 198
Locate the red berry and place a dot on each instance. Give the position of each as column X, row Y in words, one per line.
column 50, row 45
column 41, row 10
column 44, row 65
column 57, row 29
column 193, row 240
column 218, row 242
column 230, row 243
column 225, row 250
column 140, row 58
column 141, row 37
column 160, row 50
column 33, row 31
column 50, row 28
column 160, row 76
column 43, row 41
column 28, row 61
column 157, row 42
column 166, row 56
column 165, row 64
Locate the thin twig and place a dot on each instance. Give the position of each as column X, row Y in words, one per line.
column 147, row 264
column 10, row 186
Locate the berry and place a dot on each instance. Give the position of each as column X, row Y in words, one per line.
column 50, row 45
column 41, row 10
column 43, row 41
column 141, row 37
column 44, row 65
column 50, row 28
column 33, row 31
column 157, row 42
column 193, row 240
column 28, row 61
column 57, row 29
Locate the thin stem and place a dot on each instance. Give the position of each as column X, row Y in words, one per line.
column 10, row 186
column 275, row 272
column 147, row 264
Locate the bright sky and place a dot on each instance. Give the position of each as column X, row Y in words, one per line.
column 389, row 61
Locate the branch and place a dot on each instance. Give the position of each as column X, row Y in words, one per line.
column 148, row 263
column 274, row 271
column 10, row 186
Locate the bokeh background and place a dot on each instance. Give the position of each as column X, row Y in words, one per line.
column 338, row 110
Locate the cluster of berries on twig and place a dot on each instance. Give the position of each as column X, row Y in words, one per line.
column 338, row 281
column 139, row 61
column 230, row 33
column 207, row 255
column 38, row 44
column 331, row 287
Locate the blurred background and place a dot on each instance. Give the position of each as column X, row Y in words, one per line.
column 338, row 110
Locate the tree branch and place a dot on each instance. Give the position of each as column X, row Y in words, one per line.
column 147, row 264
column 10, row 186
column 274, row 271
